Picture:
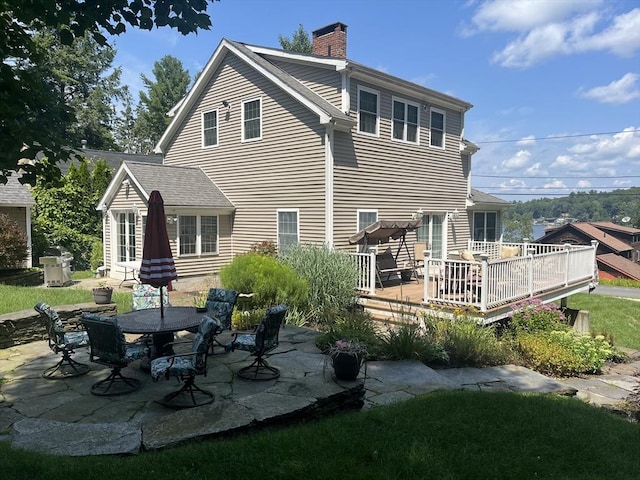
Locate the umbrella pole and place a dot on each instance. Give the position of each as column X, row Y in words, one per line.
column 161, row 303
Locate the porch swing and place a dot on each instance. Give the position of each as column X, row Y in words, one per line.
column 383, row 231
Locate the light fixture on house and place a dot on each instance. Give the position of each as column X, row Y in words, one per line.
column 453, row 215
column 417, row 215
column 171, row 219
column 226, row 104
column 134, row 209
column 126, row 184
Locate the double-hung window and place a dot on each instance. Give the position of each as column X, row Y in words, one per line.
column 405, row 121
column 436, row 137
column 197, row 234
column 288, row 229
column 485, row 226
column 210, row 128
column 368, row 111
column 252, row 120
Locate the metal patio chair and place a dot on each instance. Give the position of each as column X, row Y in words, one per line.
column 62, row 341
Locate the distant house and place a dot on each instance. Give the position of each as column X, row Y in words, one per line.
column 301, row 149
column 16, row 201
column 618, row 253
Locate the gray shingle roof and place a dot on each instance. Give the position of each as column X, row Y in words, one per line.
column 179, row 186
column 484, row 198
column 14, row 194
column 113, row 159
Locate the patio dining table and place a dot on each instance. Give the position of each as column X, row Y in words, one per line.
column 150, row 322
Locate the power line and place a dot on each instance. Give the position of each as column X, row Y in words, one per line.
column 516, row 187
column 558, row 137
column 564, row 194
column 570, row 177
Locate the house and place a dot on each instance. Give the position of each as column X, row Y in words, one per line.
column 16, row 201
column 304, row 149
column 618, row 251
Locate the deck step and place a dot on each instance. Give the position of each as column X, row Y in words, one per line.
column 390, row 311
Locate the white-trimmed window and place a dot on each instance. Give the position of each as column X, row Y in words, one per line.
column 405, row 121
column 252, row 120
column 485, row 226
column 210, row 128
column 126, row 236
column 438, row 123
column 288, row 229
column 431, row 233
column 368, row 111
column 366, row 218
column 197, row 234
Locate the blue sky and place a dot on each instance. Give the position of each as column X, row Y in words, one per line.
column 555, row 84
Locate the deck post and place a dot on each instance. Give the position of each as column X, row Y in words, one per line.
column 484, row 268
column 372, row 271
column 567, row 249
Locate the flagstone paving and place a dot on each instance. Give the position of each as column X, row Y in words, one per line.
column 61, row 417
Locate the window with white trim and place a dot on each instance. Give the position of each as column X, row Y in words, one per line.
column 252, row 120
column 210, row 128
column 431, row 233
column 197, row 234
column 368, row 111
column 288, row 230
column 485, row 226
column 126, row 237
column 405, row 121
column 436, row 137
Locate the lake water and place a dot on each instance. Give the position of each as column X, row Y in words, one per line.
column 538, row 231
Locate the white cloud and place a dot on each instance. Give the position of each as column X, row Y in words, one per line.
column 526, row 141
column 550, row 28
column 620, row 91
column 535, row 170
column 520, row 159
column 583, row 184
column 523, row 15
column 513, row 184
column 565, row 161
column 554, row 184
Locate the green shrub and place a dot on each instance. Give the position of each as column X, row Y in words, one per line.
column 410, row 343
column 532, row 315
column 266, row 247
column 247, row 319
column 331, row 276
column 354, row 325
column 467, row 343
column 564, row 353
column 13, row 243
column 270, row 281
column 97, row 255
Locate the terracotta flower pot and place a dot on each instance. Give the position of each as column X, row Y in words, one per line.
column 102, row 295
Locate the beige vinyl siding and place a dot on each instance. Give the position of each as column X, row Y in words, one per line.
column 285, row 169
column 397, row 178
column 324, row 81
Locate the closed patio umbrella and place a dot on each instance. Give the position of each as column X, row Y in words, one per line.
column 158, row 268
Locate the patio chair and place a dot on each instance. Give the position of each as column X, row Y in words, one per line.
column 109, row 347
column 145, row 297
column 64, row 342
column 219, row 305
column 185, row 366
column 259, row 343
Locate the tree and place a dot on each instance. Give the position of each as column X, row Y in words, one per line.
column 13, row 243
column 299, row 42
column 518, row 227
column 79, row 73
column 170, row 86
column 33, row 113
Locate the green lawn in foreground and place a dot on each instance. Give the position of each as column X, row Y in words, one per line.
column 445, row 435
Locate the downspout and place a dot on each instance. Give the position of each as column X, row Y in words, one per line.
column 328, row 182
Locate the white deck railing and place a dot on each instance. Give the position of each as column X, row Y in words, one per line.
column 491, row 281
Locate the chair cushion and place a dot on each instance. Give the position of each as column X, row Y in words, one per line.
column 76, row 339
column 245, row 342
column 134, row 352
column 176, row 366
column 467, row 255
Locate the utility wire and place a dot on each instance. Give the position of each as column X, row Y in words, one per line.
column 535, row 139
column 536, row 177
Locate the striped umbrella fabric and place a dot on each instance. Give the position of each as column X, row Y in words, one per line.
column 158, row 268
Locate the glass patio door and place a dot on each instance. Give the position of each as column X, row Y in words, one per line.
column 126, row 242
column 431, row 233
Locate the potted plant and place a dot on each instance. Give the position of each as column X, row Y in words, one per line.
column 347, row 357
column 102, row 293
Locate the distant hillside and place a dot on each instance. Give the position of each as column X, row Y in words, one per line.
column 585, row 207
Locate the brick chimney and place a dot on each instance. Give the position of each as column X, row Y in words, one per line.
column 331, row 41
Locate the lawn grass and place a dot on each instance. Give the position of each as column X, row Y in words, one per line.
column 445, row 435
column 617, row 317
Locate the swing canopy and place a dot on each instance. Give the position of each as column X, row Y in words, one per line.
column 383, row 231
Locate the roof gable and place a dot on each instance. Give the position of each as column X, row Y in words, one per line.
column 590, row 231
column 181, row 187
column 15, row 194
